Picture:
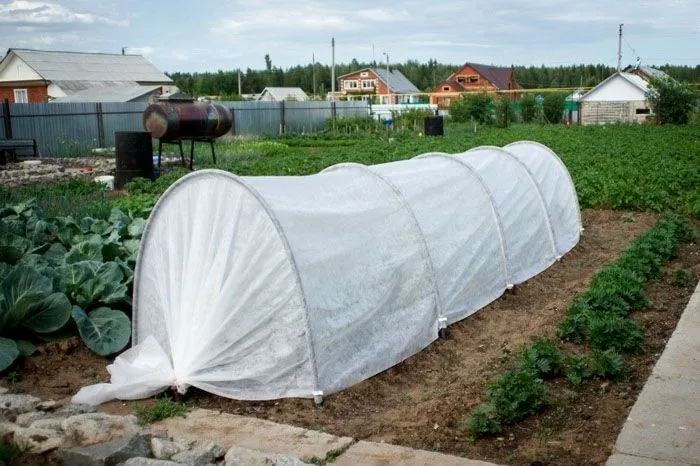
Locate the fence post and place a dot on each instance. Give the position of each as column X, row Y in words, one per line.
column 100, row 125
column 282, row 117
column 233, row 121
column 333, row 111
column 7, row 118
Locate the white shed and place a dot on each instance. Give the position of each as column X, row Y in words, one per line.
column 277, row 94
column 621, row 98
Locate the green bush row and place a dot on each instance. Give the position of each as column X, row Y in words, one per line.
column 600, row 315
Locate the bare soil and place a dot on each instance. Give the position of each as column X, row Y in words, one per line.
column 422, row 402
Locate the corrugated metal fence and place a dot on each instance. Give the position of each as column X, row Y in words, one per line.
column 71, row 129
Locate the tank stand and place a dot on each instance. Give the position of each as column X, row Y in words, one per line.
column 211, row 144
column 168, row 141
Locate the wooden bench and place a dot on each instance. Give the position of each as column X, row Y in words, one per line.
column 9, row 149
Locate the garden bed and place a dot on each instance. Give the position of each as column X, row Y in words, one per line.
column 422, row 402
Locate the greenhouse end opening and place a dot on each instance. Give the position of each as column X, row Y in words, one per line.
column 257, row 288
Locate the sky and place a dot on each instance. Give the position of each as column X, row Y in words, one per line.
column 209, row 35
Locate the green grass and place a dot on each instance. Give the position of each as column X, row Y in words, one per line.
column 76, row 197
column 163, row 408
column 635, row 167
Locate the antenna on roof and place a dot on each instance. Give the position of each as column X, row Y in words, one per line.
column 639, row 62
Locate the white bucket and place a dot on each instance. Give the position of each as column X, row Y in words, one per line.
column 107, row 180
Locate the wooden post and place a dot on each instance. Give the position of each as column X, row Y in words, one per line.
column 100, row 125
column 7, row 119
column 282, row 116
column 233, row 121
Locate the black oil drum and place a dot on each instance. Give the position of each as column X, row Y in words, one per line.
column 433, row 126
column 134, row 151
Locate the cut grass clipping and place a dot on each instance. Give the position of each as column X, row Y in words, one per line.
column 163, row 408
column 599, row 316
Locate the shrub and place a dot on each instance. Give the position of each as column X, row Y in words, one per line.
column 481, row 421
column 578, row 368
column 607, row 364
column 616, row 289
column 611, row 331
column 553, row 106
column 543, row 358
column 672, row 101
column 515, row 395
column 529, row 107
column 681, row 277
column 473, row 105
column 503, row 114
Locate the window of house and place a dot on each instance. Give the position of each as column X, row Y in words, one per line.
column 461, row 79
column 364, row 74
column 473, row 78
column 643, row 111
column 446, row 88
column 368, row 84
column 21, row 96
column 350, row 84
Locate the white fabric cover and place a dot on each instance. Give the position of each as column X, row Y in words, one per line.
column 268, row 287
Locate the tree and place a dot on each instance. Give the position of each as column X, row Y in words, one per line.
column 476, row 105
column 268, row 62
column 670, row 100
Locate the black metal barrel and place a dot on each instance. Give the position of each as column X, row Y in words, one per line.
column 433, row 126
column 134, row 152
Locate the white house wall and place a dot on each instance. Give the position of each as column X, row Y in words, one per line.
column 55, row 92
column 17, row 70
column 617, row 89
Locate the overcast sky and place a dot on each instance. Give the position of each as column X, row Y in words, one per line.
column 208, row 35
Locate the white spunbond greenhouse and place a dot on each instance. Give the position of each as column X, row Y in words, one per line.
column 258, row 288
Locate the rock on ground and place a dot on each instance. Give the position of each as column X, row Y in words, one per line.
column 109, row 453
column 91, row 428
column 239, row 456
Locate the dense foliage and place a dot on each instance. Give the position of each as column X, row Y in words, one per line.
column 672, row 101
column 62, row 276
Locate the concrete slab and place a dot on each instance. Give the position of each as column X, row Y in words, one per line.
column 257, row 434
column 628, row 460
column 664, row 423
column 681, row 358
column 384, row 454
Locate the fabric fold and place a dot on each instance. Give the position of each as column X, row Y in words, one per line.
column 140, row 372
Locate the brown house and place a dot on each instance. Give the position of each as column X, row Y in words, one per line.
column 392, row 87
column 473, row 77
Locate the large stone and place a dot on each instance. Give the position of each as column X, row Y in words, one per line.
column 49, row 424
column 17, row 404
column 201, row 455
column 239, row 456
column 149, row 462
column 71, row 409
column 3, row 390
column 91, row 428
column 109, row 453
column 384, row 454
column 26, row 419
column 38, row 440
column 164, row 449
column 230, row 429
column 48, row 405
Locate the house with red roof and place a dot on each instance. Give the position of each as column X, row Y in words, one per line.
column 473, row 77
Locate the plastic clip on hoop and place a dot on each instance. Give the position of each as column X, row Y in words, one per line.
column 442, row 327
column 318, row 397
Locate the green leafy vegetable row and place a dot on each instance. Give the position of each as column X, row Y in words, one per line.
column 62, row 277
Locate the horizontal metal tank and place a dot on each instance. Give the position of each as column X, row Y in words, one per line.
column 187, row 120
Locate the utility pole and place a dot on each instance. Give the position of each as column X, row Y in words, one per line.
column 333, row 68
column 388, row 88
column 239, row 83
column 313, row 71
column 619, row 50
